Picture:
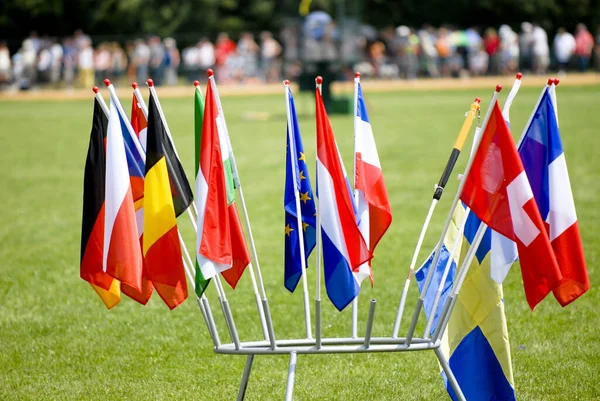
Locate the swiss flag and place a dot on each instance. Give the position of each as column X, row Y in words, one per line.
column 498, row 192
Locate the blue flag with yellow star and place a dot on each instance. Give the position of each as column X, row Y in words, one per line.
column 296, row 167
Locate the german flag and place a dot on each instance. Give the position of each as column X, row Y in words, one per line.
column 92, row 224
column 165, row 197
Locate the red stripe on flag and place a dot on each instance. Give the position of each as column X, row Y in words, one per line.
column 239, row 250
column 91, row 265
column 569, row 254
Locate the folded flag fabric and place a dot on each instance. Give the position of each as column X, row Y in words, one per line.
column 544, row 161
column 296, row 167
column 498, row 192
column 344, row 249
column 220, row 244
column 121, row 257
column 201, row 282
column 92, row 224
column 161, row 248
column 372, row 202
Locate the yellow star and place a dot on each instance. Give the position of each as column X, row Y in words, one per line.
column 302, row 157
column 304, row 197
column 304, row 225
column 302, row 177
column 288, row 230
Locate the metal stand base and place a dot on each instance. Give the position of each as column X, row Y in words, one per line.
column 332, row 346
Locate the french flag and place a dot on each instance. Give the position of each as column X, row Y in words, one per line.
column 122, row 258
column 372, row 203
column 544, row 161
column 344, row 249
column 498, row 192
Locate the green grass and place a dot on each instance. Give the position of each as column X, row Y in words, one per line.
column 58, row 341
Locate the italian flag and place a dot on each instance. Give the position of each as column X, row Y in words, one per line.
column 220, row 243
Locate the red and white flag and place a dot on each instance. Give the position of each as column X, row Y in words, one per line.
column 498, row 192
column 372, row 202
column 122, row 257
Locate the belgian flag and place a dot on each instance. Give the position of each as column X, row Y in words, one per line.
column 92, row 224
column 167, row 194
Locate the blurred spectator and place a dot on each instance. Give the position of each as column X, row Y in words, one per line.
column 44, row 64
column 131, row 72
column 190, row 59
column 407, row 48
column 564, row 47
column 102, row 62
column 141, row 58
column 118, row 63
column 157, row 60
column 69, row 62
column 429, row 53
column 491, row 42
column 206, row 54
column 540, row 50
column 223, row 48
column 28, row 64
column 56, row 51
column 270, row 60
column 597, row 49
column 248, row 51
column 526, row 46
column 584, row 44
column 172, row 60
column 445, row 50
column 509, row 48
column 478, row 61
column 85, row 65
column 5, row 65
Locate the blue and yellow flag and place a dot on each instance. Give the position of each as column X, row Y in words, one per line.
column 296, row 161
column 476, row 339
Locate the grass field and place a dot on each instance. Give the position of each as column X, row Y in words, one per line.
column 58, row 341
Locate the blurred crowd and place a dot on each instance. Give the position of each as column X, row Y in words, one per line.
column 403, row 52
column 395, row 52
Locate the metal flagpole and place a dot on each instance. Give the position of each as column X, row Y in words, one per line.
column 318, row 328
column 204, row 306
column 263, row 310
column 289, row 389
column 101, row 101
column 293, row 155
column 438, row 191
column 511, row 96
column 438, row 247
column 356, row 198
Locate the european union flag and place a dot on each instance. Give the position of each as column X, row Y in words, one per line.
column 296, row 162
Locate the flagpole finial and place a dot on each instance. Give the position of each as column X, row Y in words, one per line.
column 107, row 82
column 357, row 74
column 210, row 72
column 556, row 81
column 477, row 100
column 286, row 82
column 550, row 81
column 196, row 83
column 95, row 89
column 150, row 82
column 519, row 75
column 134, row 85
column 319, row 80
column 498, row 88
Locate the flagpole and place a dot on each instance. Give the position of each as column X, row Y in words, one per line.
column 319, row 86
column 293, row 156
column 461, row 185
column 438, row 191
column 356, row 196
column 438, row 294
column 101, row 101
column 511, row 97
column 264, row 311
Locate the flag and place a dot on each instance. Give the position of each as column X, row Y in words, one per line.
column 296, row 162
column 121, row 257
column 498, row 192
column 162, row 187
column 372, row 203
column 201, row 282
column 136, row 164
column 92, row 222
column 344, row 249
column 220, row 243
column 475, row 341
column 180, row 187
column 544, row 161
column 139, row 123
